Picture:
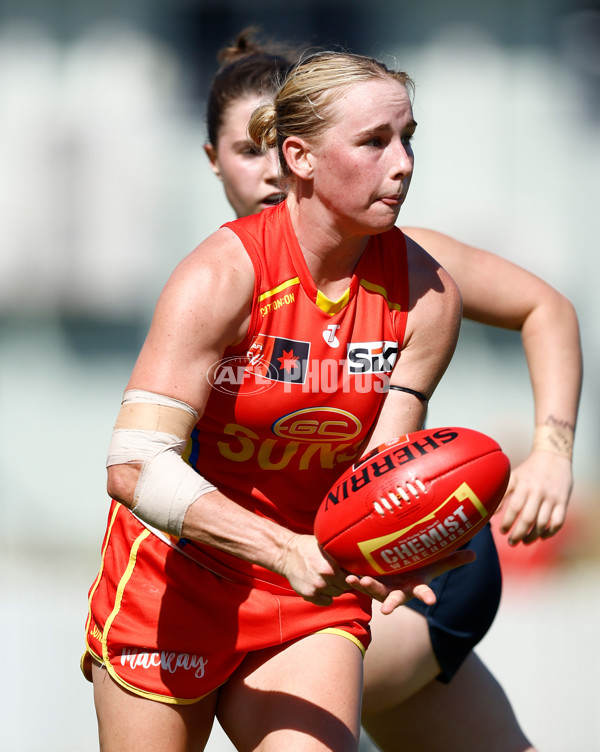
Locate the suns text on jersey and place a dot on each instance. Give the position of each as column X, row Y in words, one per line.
column 244, row 445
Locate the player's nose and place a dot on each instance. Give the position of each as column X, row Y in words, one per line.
column 402, row 159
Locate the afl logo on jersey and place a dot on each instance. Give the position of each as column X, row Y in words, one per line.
column 372, row 357
column 318, row 424
column 232, row 376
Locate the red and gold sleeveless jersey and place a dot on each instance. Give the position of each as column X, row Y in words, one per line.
column 291, row 405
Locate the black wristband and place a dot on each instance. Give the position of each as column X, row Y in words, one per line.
column 414, row 392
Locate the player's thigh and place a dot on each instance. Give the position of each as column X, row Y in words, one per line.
column 400, row 659
column 470, row 714
column 127, row 721
column 304, row 696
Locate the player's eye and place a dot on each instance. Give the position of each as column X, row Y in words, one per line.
column 250, row 150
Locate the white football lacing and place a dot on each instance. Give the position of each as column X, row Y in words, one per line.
column 391, row 500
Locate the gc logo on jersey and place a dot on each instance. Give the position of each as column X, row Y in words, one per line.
column 372, row 357
column 318, row 424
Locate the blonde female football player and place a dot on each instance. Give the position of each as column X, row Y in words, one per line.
column 213, row 595
column 420, row 668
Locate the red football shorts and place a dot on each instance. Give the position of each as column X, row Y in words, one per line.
column 169, row 629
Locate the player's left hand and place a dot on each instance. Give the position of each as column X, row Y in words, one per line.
column 395, row 590
column 535, row 503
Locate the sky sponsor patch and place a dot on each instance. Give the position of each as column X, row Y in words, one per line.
column 371, row 357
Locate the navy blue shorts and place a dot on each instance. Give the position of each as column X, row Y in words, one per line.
column 467, row 602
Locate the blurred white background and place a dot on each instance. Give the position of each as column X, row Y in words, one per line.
column 104, row 187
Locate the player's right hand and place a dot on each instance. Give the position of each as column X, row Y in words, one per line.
column 310, row 572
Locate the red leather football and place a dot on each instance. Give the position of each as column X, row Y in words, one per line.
column 412, row 500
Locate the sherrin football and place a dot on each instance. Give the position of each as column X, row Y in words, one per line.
column 412, row 500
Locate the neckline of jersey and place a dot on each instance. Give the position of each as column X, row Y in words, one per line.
column 321, row 301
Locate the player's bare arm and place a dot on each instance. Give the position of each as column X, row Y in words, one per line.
column 499, row 293
column 432, row 331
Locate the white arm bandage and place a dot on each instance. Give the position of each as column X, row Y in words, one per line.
column 153, row 430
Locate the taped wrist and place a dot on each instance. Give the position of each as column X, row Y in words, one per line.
column 554, row 438
column 153, row 430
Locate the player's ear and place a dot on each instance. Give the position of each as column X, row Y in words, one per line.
column 299, row 157
column 211, row 153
